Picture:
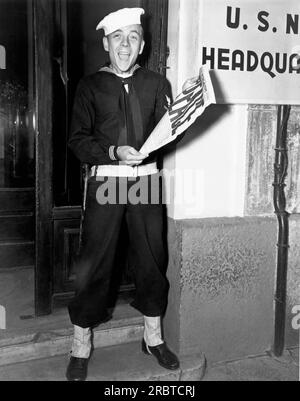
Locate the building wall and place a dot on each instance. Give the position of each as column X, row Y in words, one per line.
column 222, row 228
column 222, row 273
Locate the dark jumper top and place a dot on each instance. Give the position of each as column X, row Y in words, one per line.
column 98, row 116
column 98, row 124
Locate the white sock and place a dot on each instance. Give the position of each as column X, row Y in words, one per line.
column 152, row 331
column 81, row 347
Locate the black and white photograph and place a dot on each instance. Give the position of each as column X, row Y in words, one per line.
column 149, row 193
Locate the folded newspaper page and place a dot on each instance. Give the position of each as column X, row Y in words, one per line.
column 187, row 107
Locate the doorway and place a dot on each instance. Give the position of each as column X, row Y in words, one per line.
column 17, row 161
column 67, row 49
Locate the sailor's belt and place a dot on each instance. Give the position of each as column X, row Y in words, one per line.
column 124, row 171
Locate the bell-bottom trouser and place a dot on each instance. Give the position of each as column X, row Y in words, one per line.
column 94, row 268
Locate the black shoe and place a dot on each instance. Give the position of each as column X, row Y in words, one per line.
column 77, row 369
column 164, row 356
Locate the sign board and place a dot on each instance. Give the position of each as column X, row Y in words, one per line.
column 253, row 50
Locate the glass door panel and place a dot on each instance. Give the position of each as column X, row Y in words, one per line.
column 16, row 135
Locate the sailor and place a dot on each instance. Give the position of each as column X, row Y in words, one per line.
column 115, row 110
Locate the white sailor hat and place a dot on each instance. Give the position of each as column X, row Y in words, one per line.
column 118, row 19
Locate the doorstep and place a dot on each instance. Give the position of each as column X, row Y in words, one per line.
column 52, row 335
column 125, row 362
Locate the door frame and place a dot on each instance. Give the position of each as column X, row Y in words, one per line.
column 43, row 12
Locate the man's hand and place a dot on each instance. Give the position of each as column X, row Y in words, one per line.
column 130, row 156
column 188, row 83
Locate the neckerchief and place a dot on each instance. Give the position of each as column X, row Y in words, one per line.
column 131, row 123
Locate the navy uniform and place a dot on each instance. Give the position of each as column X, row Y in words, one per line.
column 113, row 111
column 99, row 124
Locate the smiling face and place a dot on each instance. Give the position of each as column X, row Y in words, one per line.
column 124, row 46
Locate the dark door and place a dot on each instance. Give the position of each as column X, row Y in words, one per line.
column 17, row 144
column 77, row 51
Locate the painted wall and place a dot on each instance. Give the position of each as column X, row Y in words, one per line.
column 212, row 155
column 222, row 263
column 221, row 300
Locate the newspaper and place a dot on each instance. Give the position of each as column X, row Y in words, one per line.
column 187, row 107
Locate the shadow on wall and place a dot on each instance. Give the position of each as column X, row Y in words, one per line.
column 205, row 122
column 212, row 115
column 201, row 126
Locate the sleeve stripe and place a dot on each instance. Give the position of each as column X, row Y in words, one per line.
column 112, row 153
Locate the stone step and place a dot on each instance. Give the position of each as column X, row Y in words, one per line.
column 124, row 362
column 51, row 342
